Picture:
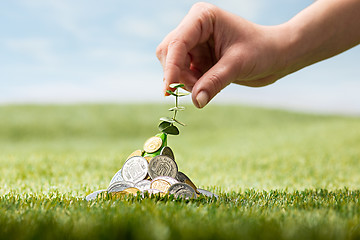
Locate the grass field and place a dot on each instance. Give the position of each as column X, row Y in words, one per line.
column 280, row 175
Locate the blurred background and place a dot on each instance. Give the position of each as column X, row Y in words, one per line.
column 54, row 51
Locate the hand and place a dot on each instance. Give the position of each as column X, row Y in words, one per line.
column 212, row 48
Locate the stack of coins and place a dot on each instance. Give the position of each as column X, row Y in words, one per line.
column 151, row 171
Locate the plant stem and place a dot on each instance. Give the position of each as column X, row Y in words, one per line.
column 176, row 104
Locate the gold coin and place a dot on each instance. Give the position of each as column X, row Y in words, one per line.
column 160, row 185
column 116, row 195
column 136, row 153
column 153, row 144
column 131, row 190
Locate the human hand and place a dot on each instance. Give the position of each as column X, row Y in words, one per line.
column 212, row 48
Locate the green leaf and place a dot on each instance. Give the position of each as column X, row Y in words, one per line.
column 171, row 93
column 167, row 119
column 176, row 85
column 183, row 124
column 163, row 125
column 179, row 108
column 172, row 130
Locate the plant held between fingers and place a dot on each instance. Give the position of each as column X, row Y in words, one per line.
column 167, row 124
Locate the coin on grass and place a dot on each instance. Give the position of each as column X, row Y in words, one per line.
column 135, row 169
column 143, row 185
column 117, row 177
column 153, row 144
column 136, row 153
column 115, row 195
column 162, row 166
column 119, row 186
column 131, row 191
column 167, row 152
column 160, row 185
column 181, row 177
column 94, row 195
column 207, row 193
column 182, row 190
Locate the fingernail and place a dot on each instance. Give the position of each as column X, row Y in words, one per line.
column 202, row 99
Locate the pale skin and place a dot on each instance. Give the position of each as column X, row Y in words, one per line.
column 212, row 48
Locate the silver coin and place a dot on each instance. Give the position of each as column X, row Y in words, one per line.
column 207, row 193
column 167, row 179
column 93, row 196
column 143, row 185
column 162, row 166
column 135, row 169
column 167, row 152
column 117, row 177
column 181, row 177
column 120, row 186
column 182, row 190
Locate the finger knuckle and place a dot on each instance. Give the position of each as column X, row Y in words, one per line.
column 159, row 51
column 170, row 64
column 216, row 83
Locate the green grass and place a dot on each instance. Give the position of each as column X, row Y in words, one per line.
column 280, row 175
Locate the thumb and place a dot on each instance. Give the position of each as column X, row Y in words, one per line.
column 213, row 81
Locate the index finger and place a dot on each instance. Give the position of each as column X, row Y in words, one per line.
column 196, row 27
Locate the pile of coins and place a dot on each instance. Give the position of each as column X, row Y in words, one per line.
column 151, row 171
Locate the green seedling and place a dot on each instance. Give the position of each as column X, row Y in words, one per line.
column 167, row 124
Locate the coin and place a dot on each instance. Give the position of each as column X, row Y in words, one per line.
column 119, row 186
column 136, row 153
column 207, row 193
column 167, row 152
column 115, row 195
column 135, row 169
column 182, row 190
column 117, row 177
column 153, row 144
column 160, row 184
column 143, row 185
column 94, row 195
column 181, row 177
column 134, row 191
column 162, row 166
column 167, row 178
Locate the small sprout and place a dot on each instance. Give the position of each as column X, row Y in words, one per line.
column 167, row 124
column 176, row 85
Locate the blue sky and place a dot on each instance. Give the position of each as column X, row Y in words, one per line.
column 104, row 51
